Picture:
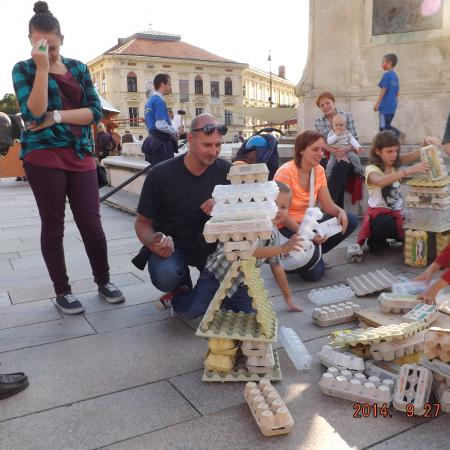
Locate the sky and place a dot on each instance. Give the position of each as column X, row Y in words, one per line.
column 242, row 31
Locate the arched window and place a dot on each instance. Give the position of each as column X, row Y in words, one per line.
column 228, row 86
column 132, row 82
column 198, row 85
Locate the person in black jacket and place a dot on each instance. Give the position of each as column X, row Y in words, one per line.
column 104, row 142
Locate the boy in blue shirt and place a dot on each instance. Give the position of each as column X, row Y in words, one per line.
column 387, row 101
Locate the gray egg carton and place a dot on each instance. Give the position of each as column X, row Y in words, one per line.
column 371, row 282
column 326, row 316
column 334, row 357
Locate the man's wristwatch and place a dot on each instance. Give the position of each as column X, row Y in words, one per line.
column 57, row 116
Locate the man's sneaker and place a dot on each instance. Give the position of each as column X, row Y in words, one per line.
column 165, row 302
column 69, row 304
column 111, row 293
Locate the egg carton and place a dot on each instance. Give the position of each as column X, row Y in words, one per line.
column 427, row 182
column 408, row 287
column 295, row 349
column 226, row 211
column 442, row 240
column 413, row 387
column 219, row 346
column 310, row 223
column 219, row 363
column 268, row 409
column 247, row 228
column 389, row 351
column 442, row 392
column 440, row 378
column 334, row 357
column 385, row 333
column 361, row 350
column 239, row 250
column 438, row 367
column 329, row 227
column 257, row 192
column 326, row 316
column 254, row 348
column 261, row 364
column 433, row 156
column 397, row 303
column 356, row 387
column 376, row 281
column 382, row 369
column 354, row 253
column 422, row 313
column 427, row 201
column 437, row 344
column 330, row 294
column 444, row 307
column 426, row 219
column 248, row 173
column 240, row 373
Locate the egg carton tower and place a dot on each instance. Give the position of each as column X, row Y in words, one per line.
column 240, row 346
column 427, row 209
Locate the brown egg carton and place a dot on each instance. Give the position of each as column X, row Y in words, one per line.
column 261, row 364
column 254, row 348
column 437, row 344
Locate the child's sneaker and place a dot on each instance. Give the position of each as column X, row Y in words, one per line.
column 165, row 301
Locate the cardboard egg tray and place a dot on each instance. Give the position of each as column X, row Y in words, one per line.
column 248, row 173
column 371, row 282
column 426, row 219
column 413, row 387
column 437, row 344
column 422, row 313
column 424, row 181
column 388, row 351
column 442, row 392
column 240, row 373
column 254, row 348
column 397, row 303
column 330, row 294
column 326, row 316
column 220, row 346
column 361, row 350
column 356, row 387
column 334, row 357
column 296, row 350
column 423, row 201
column 382, row 369
column 385, row 333
column 251, row 209
column 219, row 363
column 248, row 192
column 261, row 364
column 268, row 409
column 354, row 253
column 239, row 250
column 247, row 228
column 433, row 156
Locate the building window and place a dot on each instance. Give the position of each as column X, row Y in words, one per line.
column 228, row 86
column 228, row 118
column 184, row 91
column 199, row 111
column 198, row 85
column 215, row 89
column 244, row 90
column 132, row 82
column 133, row 113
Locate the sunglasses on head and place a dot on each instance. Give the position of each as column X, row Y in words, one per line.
column 209, row 129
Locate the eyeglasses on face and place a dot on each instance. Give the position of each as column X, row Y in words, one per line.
column 209, row 129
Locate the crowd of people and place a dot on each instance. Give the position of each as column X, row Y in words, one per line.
column 58, row 103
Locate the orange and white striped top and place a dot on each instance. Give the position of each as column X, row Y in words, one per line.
column 288, row 174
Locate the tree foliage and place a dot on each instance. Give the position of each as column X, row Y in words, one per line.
column 9, row 104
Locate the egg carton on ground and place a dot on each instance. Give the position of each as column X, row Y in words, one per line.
column 240, row 373
column 382, row 369
column 333, row 357
column 427, row 182
column 413, row 387
column 371, row 282
column 248, row 192
column 433, row 156
column 329, row 227
column 426, row 219
column 375, row 335
column 422, row 313
column 397, row 303
column 330, row 294
column 253, row 348
column 444, row 307
column 237, row 229
column 261, row 364
column 356, row 387
column 326, row 316
column 268, row 409
column 388, row 351
column 225, row 211
column 296, row 350
column 219, row 346
column 437, row 344
column 219, row 363
column 239, row 250
column 354, row 253
column 442, row 392
column 248, row 173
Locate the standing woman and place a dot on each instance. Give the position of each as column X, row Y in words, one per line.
column 58, row 102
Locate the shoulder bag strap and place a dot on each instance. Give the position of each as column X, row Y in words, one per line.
column 311, row 188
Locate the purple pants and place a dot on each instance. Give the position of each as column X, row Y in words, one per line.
column 50, row 188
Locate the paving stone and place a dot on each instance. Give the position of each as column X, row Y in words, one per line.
column 28, row 313
column 79, row 369
column 100, row 421
column 4, row 299
column 7, row 256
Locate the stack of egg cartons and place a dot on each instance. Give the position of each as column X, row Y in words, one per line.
column 242, row 215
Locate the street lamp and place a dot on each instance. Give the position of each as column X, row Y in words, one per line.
column 269, row 58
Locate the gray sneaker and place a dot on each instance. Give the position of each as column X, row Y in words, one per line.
column 111, row 293
column 69, row 304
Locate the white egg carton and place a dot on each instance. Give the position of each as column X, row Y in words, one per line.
column 330, row 294
column 397, row 303
column 296, row 350
column 382, row 369
column 253, row 348
column 237, row 230
column 257, row 192
column 371, row 282
column 354, row 253
column 334, row 357
column 338, row 313
column 261, row 364
column 438, row 367
column 356, row 387
column 268, row 409
column 240, row 249
column 330, row 227
column 388, row 351
column 413, row 387
column 310, row 223
column 433, row 156
column 409, row 287
column 263, row 209
column 437, row 344
column 442, row 392
column 426, row 219
column 248, row 173
column 422, row 313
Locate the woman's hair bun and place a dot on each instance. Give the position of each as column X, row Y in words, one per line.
column 41, row 8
